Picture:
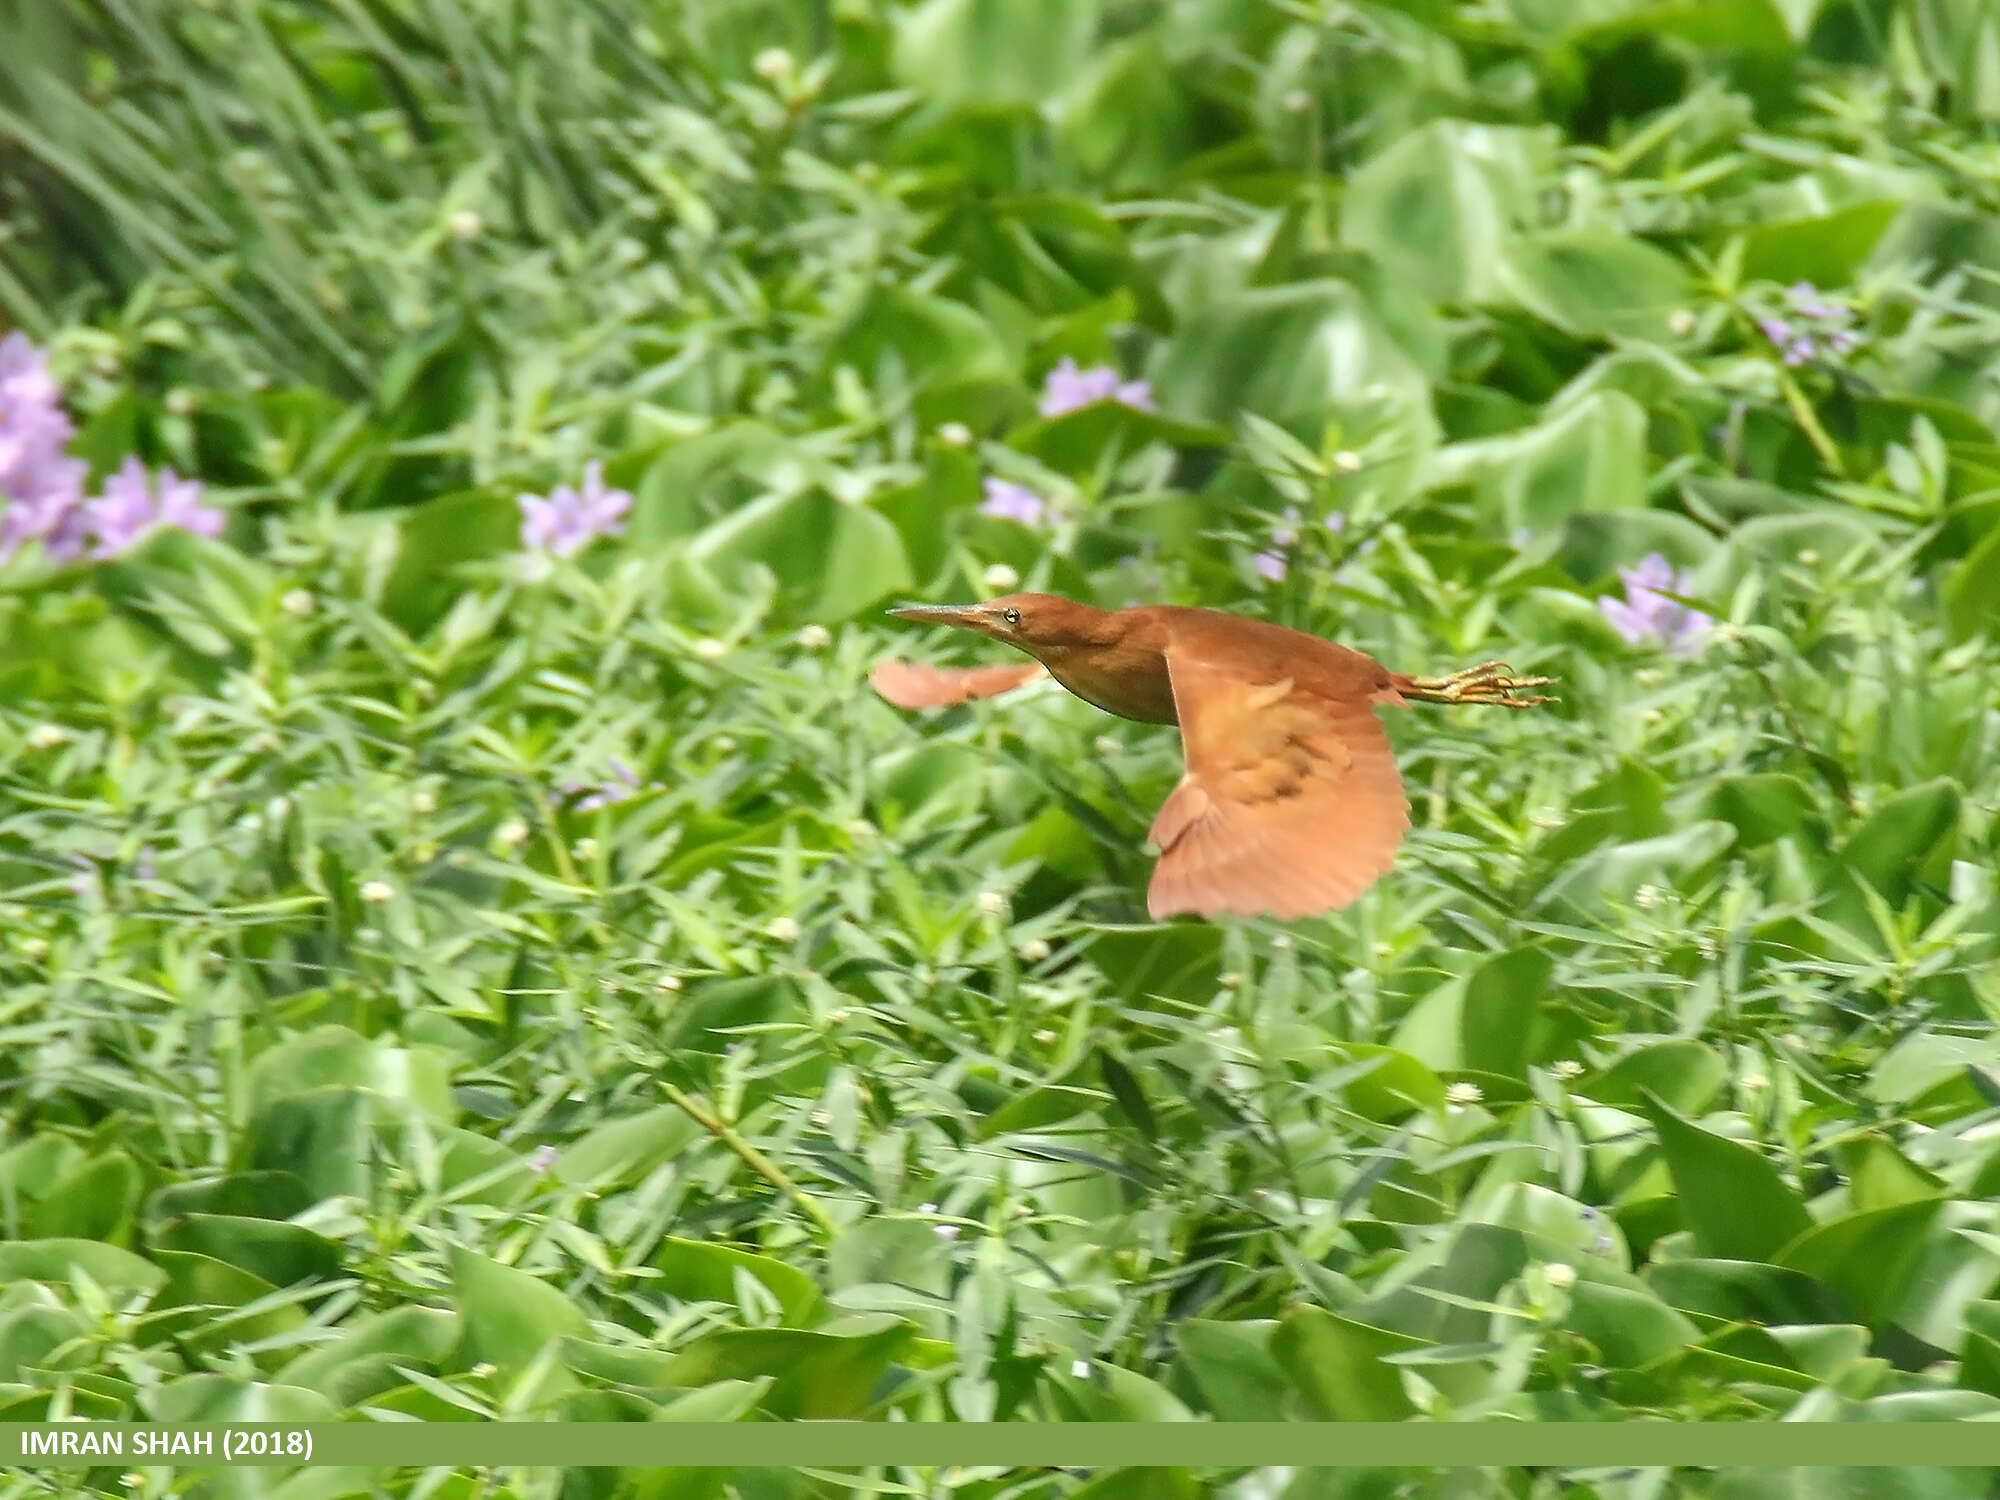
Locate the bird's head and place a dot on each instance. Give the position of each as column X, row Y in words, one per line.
column 1030, row 621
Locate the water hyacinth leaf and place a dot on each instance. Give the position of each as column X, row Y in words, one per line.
column 1682, row 1074
column 1865, row 1256
column 816, row 1375
column 1336, row 1366
column 334, row 1055
column 224, row 1398
column 421, row 1336
column 94, row 1201
column 1742, row 1291
column 266, row 1195
column 888, row 1252
column 1763, row 807
column 1906, row 834
column 1385, row 1084
column 1879, row 1176
column 1596, row 284
column 1731, row 1198
column 1232, row 1365
column 1290, row 354
column 1973, row 593
column 902, row 341
column 1589, row 457
column 1440, row 204
column 1107, row 1393
column 1615, row 872
column 625, row 1150
column 698, row 1272
column 1126, row 119
column 58, row 1259
column 282, row 1254
column 435, row 543
column 832, row 559
column 1503, row 999
column 509, row 1316
column 987, row 52
column 28, row 1335
column 1628, row 1328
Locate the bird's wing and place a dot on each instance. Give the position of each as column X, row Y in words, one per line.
column 1291, row 804
column 913, row 684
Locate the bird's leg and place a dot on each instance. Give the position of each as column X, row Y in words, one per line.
column 1489, row 682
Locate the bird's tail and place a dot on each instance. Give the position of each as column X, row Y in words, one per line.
column 1489, row 682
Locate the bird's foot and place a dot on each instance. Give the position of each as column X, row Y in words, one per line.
column 1489, row 682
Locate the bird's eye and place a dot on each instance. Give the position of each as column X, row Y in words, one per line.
column 1011, row 616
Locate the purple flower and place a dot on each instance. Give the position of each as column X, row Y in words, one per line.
column 1271, row 565
column 1066, row 388
column 1012, row 502
column 1645, row 615
column 565, row 520
column 542, row 1158
column 623, row 783
column 130, row 506
column 1823, row 327
column 41, row 486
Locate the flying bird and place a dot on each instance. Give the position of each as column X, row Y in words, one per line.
column 1291, row 803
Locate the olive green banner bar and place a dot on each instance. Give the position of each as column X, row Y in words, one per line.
column 1078, row 1445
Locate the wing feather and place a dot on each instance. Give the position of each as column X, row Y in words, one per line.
column 915, row 684
column 1291, row 805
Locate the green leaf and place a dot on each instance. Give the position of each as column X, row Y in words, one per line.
column 225, row 1398
column 1596, row 284
column 1730, row 1196
column 1591, row 456
column 831, row 559
column 707, row 1273
column 1630, row 1328
column 1234, row 1368
column 95, row 1201
column 509, row 1316
column 1684, row 1074
column 1294, row 355
column 1336, row 1366
column 58, row 1260
column 815, row 1375
column 1440, row 203
column 1503, row 999
column 993, row 51
column 282, row 1254
column 1865, row 1256
column 1903, row 833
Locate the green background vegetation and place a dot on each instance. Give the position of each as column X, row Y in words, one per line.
column 1705, row 955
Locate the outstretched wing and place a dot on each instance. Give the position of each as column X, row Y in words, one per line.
column 1291, row 804
column 912, row 684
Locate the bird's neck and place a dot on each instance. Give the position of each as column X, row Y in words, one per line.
column 1120, row 666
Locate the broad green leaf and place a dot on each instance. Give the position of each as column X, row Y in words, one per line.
column 817, row 1375
column 993, row 51
column 1234, row 1368
column 1441, row 204
column 1865, row 1256
column 508, row 1315
column 58, row 1260
column 1503, row 999
column 700, row 1272
column 1595, row 283
column 1336, row 1366
column 1730, row 1196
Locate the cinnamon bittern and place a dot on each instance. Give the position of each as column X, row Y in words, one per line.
column 1291, row 803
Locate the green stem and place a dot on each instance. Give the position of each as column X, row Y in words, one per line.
column 752, row 1158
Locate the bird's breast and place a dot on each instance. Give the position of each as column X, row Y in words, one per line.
column 1130, row 684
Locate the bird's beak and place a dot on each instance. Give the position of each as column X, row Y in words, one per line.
column 965, row 616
